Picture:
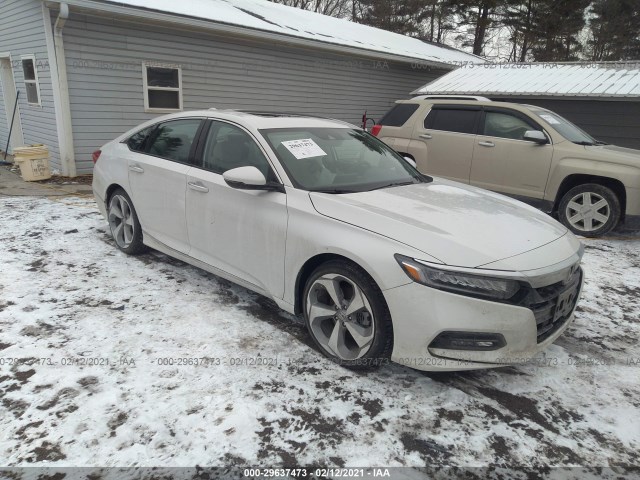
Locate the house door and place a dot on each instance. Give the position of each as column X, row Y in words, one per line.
column 8, row 100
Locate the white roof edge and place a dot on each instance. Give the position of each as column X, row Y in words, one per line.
column 601, row 80
column 121, row 8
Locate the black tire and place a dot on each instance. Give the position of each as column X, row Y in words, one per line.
column 611, row 210
column 135, row 245
column 382, row 344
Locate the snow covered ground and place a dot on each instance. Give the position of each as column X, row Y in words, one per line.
column 88, row 335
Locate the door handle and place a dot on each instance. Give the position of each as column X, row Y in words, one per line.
column 198, row 187
column 487, row 144
column 426, row 136
column 136, row 168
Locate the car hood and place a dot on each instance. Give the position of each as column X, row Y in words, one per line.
column 627, row 156
column 457, row 224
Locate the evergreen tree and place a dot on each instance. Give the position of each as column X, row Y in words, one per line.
column 614, row 30
column 556, row 28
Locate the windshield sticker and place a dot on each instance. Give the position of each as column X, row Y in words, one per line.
column 304, row 148
column 551, row 120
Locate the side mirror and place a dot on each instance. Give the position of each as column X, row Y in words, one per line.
column 249, row 178
column 535, row 136
column 411, row 162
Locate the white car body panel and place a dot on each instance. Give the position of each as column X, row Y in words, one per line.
column 158, row 193
column 443, row 218
column 263, row 240
column 242, row 232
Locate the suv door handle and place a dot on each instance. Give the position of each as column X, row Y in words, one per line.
column 198, row 187
column 426, row 136
column 487, row 144
column 136, row 168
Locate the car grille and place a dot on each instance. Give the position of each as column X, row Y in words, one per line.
column 553, row 305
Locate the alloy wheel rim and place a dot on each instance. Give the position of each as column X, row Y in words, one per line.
column 588, row 211
column 340, row 316
column 121, row 221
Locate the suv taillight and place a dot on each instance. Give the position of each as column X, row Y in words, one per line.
column 96, row 155
column 376, row 130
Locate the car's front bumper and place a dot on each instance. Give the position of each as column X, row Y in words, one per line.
column 421, row 313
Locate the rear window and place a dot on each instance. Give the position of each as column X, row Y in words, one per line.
column 398, row 115
column 452, row 120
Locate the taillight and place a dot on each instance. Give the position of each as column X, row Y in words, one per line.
column 376, row 130
column 96, row 155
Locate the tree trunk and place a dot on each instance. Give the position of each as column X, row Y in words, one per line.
column 481, row 29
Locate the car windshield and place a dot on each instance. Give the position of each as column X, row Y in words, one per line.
column 339, row 160
column 567, row 129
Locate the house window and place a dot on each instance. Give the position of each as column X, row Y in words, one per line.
column 31, row 79
column 162, row 88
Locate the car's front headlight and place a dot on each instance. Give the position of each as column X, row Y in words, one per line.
column 463, row 283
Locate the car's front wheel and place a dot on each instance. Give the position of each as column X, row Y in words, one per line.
column 123, row 223
column 347, row 316
column 590, row 210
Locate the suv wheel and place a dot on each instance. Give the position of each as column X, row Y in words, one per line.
column 347, row 316
column 590, row 210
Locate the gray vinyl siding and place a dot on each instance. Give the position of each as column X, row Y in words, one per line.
column 104, row 64
column 22, row 33
column 616, row 122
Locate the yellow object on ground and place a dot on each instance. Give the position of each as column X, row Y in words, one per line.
column 33, row 161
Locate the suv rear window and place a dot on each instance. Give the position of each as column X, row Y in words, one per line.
column 452, row 120
column 398, row 115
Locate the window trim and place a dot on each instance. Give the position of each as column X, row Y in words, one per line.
column 35, row 81
column 146, row 88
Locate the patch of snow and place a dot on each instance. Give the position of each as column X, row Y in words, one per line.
column 261, row 394
column 296, row 22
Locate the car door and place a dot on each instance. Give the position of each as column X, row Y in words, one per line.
column 242, row 232
column 503, row 161
column 158, row 180
column 442, row 144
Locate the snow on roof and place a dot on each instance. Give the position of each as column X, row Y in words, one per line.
column 542, row 79
column 295, row 22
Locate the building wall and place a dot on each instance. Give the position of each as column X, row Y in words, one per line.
column 22, row 33
column 104, row 64
column 616, row 122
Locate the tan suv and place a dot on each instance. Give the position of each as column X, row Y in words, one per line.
column 522, row 151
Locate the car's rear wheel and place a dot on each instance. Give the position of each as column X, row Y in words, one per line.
column 347, row 316
column 590, row 210
column 123, row 223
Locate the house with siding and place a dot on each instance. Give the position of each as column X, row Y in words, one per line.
column 78, row 73
column 601, row 98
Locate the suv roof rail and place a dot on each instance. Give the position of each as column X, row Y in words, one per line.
column 476, row 98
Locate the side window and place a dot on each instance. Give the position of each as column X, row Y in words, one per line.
column 399, row 114
column 228, row 147
column 31, row 84
column 504, row 125
column 137, row 141
column 172, row 140
column 452, row 120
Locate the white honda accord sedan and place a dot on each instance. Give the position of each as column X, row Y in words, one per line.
column 383, row 262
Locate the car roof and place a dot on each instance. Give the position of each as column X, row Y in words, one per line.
column 263, row 120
